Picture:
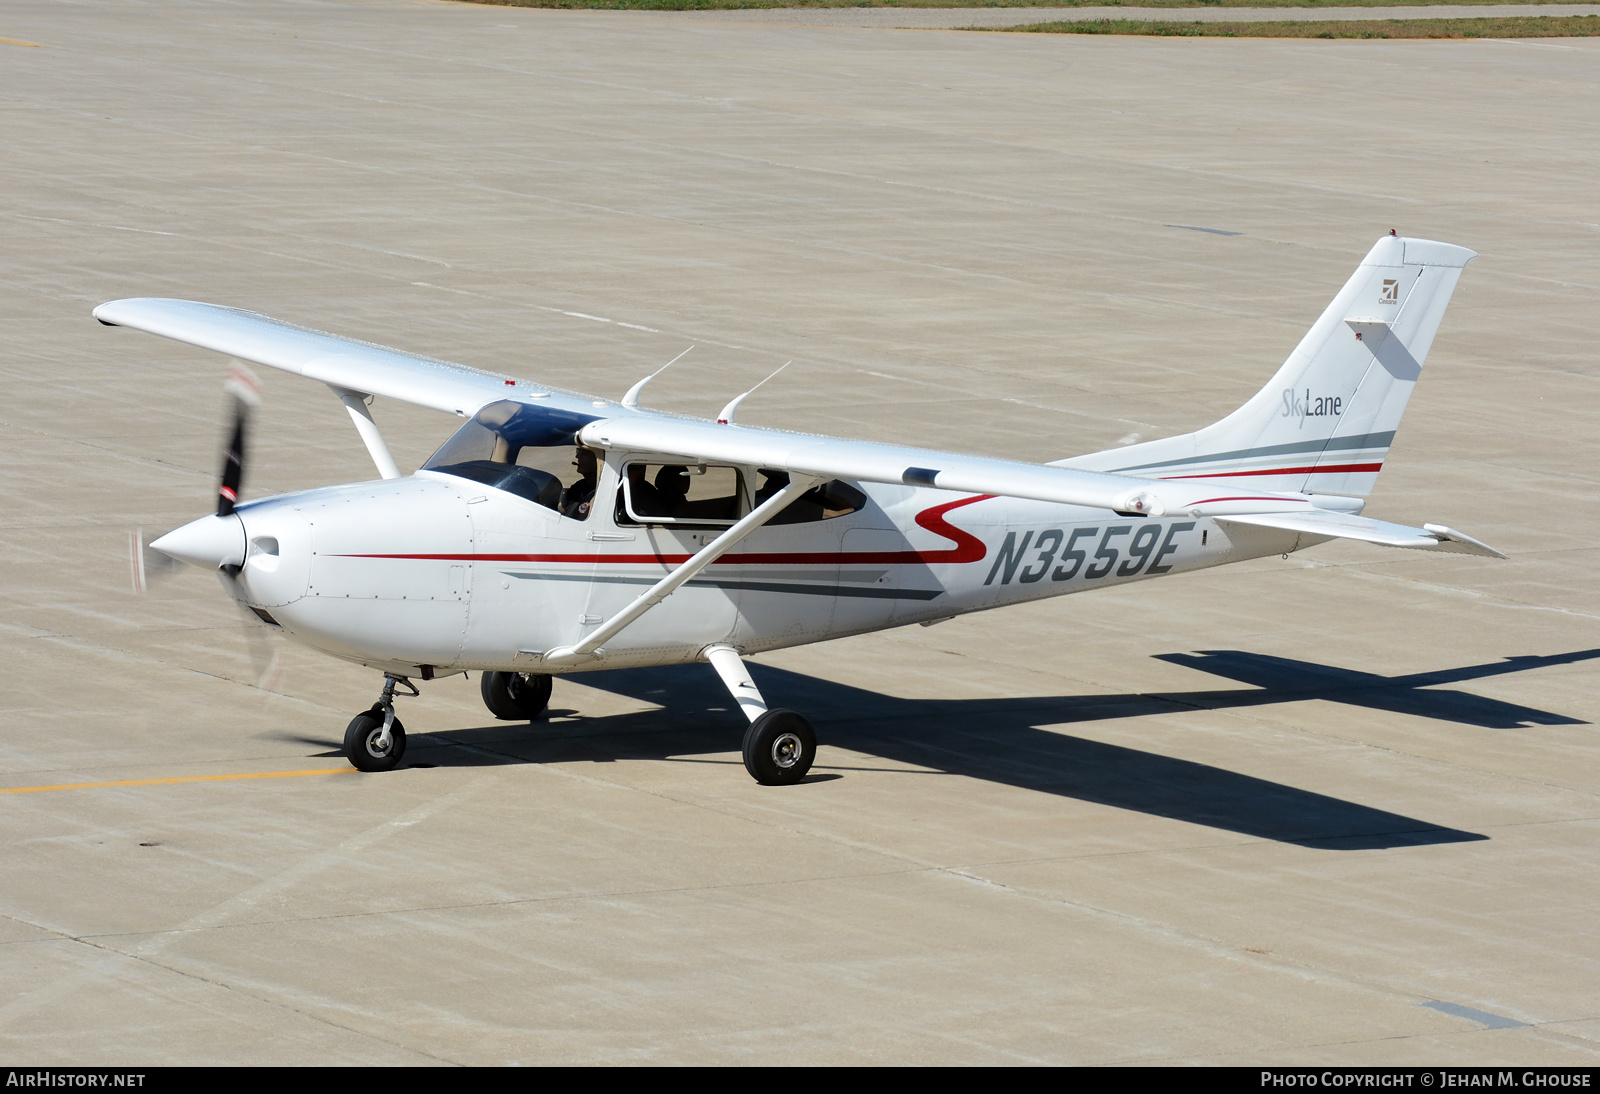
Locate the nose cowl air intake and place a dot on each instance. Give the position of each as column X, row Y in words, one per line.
column 211, row 542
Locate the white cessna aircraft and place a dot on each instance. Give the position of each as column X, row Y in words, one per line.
column 679, row 539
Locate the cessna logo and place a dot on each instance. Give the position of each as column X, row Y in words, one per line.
column 1391, row 291
column 1303, row 405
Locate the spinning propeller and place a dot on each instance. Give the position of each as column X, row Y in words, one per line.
column 244, row 393
column 152, row 558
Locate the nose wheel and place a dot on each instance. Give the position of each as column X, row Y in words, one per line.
column 375, row 740
column 364, row 742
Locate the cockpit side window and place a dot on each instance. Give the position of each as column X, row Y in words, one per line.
column 698, row 495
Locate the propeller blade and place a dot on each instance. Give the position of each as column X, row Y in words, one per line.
column 244, row 392
column 149, row 565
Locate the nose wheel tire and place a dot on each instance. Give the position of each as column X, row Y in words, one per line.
column 515, row 696
column 361, row 742
column 779, row 748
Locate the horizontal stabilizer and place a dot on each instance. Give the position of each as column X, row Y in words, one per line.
column 1321, row 522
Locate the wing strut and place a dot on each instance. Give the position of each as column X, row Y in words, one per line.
column 356, row 403
column 590, row 646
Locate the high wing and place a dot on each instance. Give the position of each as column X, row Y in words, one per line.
column 832, row 458
column 826, row 457
column 375, row 370
column 352, row 366
column 339, row 362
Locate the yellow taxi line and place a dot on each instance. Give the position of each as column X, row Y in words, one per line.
column 19, row 42
column 178, row 779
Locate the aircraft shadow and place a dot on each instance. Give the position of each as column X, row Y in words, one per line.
column 1283, row 680
column 1000, row 740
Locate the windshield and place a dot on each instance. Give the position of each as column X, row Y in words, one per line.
column 527, row 450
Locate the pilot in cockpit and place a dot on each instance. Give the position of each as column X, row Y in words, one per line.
column 579, row 497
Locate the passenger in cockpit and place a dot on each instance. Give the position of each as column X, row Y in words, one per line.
column 807, row 507
column 643, row 497
column 672, row 490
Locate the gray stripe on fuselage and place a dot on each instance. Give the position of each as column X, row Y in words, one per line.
column 1334, row 444
column 753, row 586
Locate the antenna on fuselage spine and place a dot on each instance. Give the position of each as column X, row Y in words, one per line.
column 631, row 399
column 726, row 417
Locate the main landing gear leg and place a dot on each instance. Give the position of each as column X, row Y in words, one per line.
column 375, row 740
column 779, row 746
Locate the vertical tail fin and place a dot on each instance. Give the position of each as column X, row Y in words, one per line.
column 1324, row 423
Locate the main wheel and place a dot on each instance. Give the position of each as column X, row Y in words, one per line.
column 361, row 741
column 515, row 696
column 779, row 748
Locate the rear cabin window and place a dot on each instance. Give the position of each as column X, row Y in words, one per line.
column 823, row 502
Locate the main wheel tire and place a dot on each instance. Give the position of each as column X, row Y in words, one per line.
column 779, row 748
column 515, row 696
column 361, row 742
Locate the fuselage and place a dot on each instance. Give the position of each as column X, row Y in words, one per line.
column 435, row 574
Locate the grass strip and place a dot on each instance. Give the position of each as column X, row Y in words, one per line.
column 1545, row 26
column 738, row 5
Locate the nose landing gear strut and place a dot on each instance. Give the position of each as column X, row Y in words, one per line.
column 375, row 740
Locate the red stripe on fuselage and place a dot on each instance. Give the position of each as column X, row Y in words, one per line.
column 1325, row 469
column 968, row 548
